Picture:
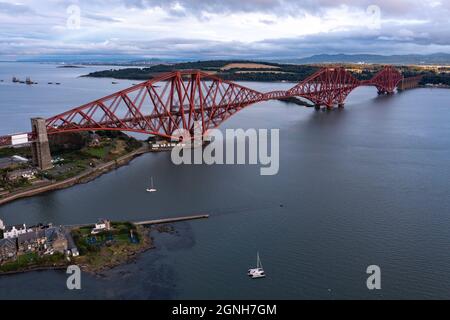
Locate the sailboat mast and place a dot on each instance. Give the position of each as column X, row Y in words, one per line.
column 258, row 261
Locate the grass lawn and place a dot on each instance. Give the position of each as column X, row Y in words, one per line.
column 97, row 152
column 32, row 259
column 108, row 248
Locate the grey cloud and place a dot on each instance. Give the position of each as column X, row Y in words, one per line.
column 338, row 42
column 12, row 8
column 286, row 7
column 100, row 18
column 431, row 35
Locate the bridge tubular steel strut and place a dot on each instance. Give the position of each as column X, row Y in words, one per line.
column 175, row 100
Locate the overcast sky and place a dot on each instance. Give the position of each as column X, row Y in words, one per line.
column 222, row 29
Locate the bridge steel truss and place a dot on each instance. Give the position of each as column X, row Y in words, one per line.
column 175, row 100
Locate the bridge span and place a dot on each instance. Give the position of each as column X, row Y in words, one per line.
column 175, row 100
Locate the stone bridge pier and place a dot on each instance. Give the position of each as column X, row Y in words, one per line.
column 40, row 147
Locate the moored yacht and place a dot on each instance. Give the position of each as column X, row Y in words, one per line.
column 257, row 272
column 152, row 188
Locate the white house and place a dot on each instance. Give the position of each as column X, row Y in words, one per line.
column 2, row 225
column 101, row 225
column 11, row 232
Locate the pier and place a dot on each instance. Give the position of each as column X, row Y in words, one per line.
column 169, row 220
column 150, row 222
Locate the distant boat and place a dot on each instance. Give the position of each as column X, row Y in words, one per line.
column 114, row 82
column 152, row 188
column 257, row 272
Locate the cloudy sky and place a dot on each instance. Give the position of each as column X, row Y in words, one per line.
column 190, row 29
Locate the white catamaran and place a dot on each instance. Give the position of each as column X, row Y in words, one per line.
column 257, row 272
column 152, row 188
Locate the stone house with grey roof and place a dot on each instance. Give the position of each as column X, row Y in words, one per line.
column 8, row 249
column 33, row 241
column 56, row 240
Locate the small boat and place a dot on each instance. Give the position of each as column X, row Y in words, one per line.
column 152, row 188
column 257, row 272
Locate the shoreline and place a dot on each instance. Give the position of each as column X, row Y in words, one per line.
column 81, row 178
column 32, row 269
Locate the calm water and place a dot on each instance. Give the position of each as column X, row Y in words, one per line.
column 365, row 185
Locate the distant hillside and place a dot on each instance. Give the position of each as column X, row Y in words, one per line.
column 236, row 70
column 436, row 58
column 241, row 70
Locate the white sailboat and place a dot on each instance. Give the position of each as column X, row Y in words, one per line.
column 152, row 188
column 257, row 272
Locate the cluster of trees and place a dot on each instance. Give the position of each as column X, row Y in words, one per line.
column 436, row 78
column 132, row 143
column 10, row 151
column 7, row 183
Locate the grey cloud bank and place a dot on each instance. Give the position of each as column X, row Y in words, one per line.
column 223, row 29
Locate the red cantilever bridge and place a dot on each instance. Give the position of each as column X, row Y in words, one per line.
column 175, row 100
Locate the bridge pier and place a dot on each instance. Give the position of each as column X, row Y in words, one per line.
column 40, row 147
column 341, row 105
column 317, row 107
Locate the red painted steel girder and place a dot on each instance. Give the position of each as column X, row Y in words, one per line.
column 5, row 140
column 279, row 94
column 410, row 81
column 176, row 99
column 327, row 87
column 385, row 80
column 160, row 106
